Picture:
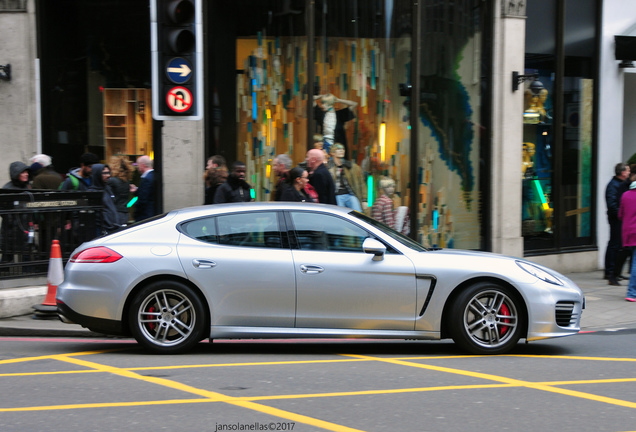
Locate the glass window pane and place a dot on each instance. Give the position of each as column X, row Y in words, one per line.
column 201, row 229
column 538, row 155
column 451, row 126
column 327, row 233
column 250, row 230
column 578, row 103
column 363, row 56
column 271, row 87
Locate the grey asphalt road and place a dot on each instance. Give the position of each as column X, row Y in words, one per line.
column 583, row 382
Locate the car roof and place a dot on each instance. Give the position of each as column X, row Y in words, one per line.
column 204, row 210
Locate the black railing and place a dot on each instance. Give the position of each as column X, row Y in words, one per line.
column 31, row 220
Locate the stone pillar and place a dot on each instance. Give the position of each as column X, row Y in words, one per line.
column 507, row 139
column 183, row 164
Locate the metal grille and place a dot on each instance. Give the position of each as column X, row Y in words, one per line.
column 564, row 314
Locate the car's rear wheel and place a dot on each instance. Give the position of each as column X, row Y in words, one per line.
column 167, row 317
column 487, row 318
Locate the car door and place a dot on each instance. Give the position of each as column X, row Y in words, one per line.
column 340, row 286
column 244, row 264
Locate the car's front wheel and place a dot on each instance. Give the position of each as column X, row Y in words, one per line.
column 167, row 317
column 487, row 318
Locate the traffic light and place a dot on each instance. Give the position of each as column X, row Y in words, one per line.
column 177, row 59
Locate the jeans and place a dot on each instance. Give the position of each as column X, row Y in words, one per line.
column 350, row 201
column 631, row 287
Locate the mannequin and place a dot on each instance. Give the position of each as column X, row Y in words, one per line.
column 332, row 121
column 384, row 211
column 528, row 160
column 350, row 185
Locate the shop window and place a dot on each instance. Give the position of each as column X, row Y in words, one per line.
column 557, row 162
column 451, row 127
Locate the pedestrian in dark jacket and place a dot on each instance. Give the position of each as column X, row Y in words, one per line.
column 320, row 178
column 145, row 206
column 14, row 228
column 79, row 179
column 295, row 190
column 613, row 200
column 120, row 176
column 44, row 175
column 19, row 174
column 101, row 174
column 235, row 188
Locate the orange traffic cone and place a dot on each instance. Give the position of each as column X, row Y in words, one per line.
column 54, row 277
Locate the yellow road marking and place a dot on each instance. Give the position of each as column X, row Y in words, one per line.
column 48, row 357
column 249, row 401
column 211, row 396
column 505, row 380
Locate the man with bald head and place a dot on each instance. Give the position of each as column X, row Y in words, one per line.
column 145, row 206
column 319, row 177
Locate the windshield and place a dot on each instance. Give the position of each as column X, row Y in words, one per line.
column 406, row 241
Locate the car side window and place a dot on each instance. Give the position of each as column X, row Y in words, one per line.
column 201, row 229
column 259, row 229
column 317, row 231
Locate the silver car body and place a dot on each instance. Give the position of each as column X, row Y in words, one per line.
column 253, row 292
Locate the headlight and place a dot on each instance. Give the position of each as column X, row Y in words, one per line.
column 539, row 273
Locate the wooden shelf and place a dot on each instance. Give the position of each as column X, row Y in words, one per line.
column 127, row 129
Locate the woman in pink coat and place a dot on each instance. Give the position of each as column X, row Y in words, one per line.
column 627, row 215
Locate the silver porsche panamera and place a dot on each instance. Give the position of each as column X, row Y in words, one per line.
column 298, row 270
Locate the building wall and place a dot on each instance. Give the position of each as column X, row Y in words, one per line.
column 183, row 151
column 611, row 143
column 18, row 125
column 629, row 114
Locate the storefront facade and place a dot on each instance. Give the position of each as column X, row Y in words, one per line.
column 423, row 91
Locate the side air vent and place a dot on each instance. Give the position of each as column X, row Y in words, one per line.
column 564, row 314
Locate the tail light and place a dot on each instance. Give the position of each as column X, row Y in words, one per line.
column 99, row 254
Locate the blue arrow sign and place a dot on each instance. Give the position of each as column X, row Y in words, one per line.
column 179, row 70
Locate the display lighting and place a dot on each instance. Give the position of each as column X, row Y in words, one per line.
column 382, row 140
column 370, row 190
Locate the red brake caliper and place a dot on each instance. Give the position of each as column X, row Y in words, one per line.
column 151, row 325
column 504, row 311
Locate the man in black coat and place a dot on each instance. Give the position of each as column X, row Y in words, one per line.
column 613, row 200
column 145, row 205
column 320, row 178
column 235, row 188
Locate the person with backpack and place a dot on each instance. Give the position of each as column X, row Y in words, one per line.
column 79, row 179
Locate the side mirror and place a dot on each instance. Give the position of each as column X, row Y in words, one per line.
column 375, row 247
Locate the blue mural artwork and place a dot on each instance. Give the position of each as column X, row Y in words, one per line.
column 445, row 109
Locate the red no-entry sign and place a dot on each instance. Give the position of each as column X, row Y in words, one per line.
column 179, row 99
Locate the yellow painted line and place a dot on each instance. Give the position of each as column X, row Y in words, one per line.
column 276, row 363
column 229, row 399
column 26, row 374
column 212, row 396
column 104, row 405
column 610, row 359
column 48, row 357
column 515, row 382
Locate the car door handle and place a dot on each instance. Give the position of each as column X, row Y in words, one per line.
column 203, row 264
column 311, row 269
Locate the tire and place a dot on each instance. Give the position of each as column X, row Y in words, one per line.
column 167, row 317
column 487, row 318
